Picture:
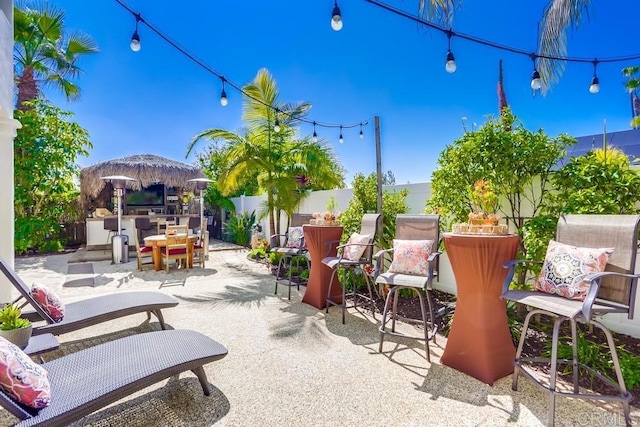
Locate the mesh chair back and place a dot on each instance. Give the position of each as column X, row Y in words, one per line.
column 300, row 219
column 369, row 225
column 194, row 222
column 607, row 231
column 143, row 223
column 418, row 227
column 111, row 223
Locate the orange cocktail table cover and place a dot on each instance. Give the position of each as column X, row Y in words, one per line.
column 479, row 342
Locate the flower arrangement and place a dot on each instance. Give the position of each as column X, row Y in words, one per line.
column 484, row 202
column 328, row 217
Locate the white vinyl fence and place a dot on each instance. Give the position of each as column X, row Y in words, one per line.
column 418, row 195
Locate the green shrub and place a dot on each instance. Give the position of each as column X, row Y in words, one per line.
column 274, row 258
column 238, row 228
column 260, row 251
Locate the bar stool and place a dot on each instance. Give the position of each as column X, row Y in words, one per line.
column 111, row 224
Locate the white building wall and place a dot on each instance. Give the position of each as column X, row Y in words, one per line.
column 8, row 128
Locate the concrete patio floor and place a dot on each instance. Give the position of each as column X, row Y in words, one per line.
column 289, row 363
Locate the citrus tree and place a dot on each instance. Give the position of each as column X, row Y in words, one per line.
column 516, row 161
column 46, row 149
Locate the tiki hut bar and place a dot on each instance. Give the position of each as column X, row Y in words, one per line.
column 159, row 189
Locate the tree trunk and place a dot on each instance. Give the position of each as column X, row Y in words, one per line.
column 27, row 88
column 272, row 224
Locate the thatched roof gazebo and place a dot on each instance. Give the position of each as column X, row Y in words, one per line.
column 145, row 169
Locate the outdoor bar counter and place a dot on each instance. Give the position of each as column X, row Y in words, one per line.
column 97, row 236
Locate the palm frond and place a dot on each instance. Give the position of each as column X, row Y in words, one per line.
column 559, row 16
column 441, row 11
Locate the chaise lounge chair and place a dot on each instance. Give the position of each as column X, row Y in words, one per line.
column 91, row 311
column 90, row 379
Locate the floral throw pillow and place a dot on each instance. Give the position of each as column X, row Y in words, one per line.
column 566, row 266
column 295, row 236
column 22, row 378
column 355, row 252
column 49, row 301
column 411, row 257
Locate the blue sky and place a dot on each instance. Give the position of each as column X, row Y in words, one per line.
column 155, row 100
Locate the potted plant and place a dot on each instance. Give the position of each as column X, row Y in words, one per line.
column 484, row 202
column 13, row 327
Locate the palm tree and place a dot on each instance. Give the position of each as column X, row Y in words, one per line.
column 558, row 17
column 44, row 55
column 278, row 157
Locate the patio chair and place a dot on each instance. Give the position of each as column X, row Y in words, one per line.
column 142, row 252
column 162, row 223
column 291, row 246
column 91, row 311
column 414, row 264
column 201, row 248
column 111, row 225
column 177, row 247
column 353, row 256
column 91, row 379
column 610, row 291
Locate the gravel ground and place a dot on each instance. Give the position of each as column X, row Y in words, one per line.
column 289, row 363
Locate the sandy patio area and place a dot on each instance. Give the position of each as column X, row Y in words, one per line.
column 289, row 363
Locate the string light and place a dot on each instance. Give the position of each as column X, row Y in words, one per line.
column 336, row 17
column 340, row 138
column 135, row 38
column 315, row 135
column 223, row 95
column 535, row 78
column 450, row 65
column 595, row 82
column 231, row 84
column 361, row 133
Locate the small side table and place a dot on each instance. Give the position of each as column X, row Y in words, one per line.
column 39, row 344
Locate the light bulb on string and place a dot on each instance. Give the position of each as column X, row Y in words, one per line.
column 223, row 95
column 135, row 38
column 536, row 83
column 315, row 135
column 595, row 81
column 340, row 138
column 450, row 64
column 336, row 17
column 361, row 133
column 276, row 126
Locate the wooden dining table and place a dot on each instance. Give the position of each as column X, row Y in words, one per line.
column 158, row 241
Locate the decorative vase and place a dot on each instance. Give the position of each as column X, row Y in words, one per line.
column 19, row 337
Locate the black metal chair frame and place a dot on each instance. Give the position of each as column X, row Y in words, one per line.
column 369, row 225
column 289, row 254
column 410, row 227
column 619, row 277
